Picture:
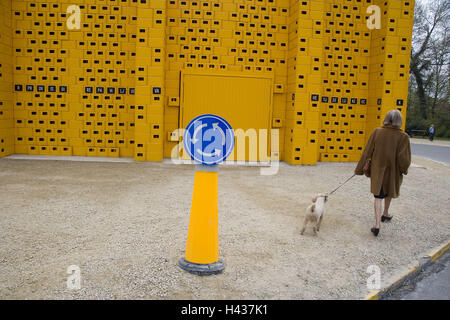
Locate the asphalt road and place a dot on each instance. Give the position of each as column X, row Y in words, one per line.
column 431, row 284
column 436, row 153
column 434, row 282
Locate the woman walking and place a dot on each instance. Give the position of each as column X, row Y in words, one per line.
column 386, row 158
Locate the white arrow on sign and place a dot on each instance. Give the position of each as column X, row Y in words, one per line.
column 215, row 127
column 194, row 140
column 217, row 152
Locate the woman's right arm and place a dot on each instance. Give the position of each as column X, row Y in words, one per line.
column 367, row 154
column 404, row 155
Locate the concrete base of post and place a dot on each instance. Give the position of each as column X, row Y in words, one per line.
column 202, row 269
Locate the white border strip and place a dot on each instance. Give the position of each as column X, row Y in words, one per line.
column 68, row 158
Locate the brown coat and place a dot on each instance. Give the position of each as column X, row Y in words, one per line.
column 390, row 151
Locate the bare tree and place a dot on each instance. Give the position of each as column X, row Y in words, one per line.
column 430, row 52
column 439, row 89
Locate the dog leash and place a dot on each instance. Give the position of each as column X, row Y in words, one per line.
column 341, row 185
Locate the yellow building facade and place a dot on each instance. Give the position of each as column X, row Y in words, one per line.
column 138, row 70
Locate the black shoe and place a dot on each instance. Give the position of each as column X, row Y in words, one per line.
column 375, row 231
column 386, row 218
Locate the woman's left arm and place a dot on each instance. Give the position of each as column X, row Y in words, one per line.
column 404, row 155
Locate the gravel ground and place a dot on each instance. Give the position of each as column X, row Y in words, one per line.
column 125, row 226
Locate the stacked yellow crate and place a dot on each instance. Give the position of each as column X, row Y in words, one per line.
column 345, row 81
column 302, row 119
column 294, row 118
column 150, row 76
column 6, row 94
column 74, row 89
column 102, row 57
column 233, row 35
column 346, row 76
column 112, row 88
column 390, row 61
column 40, row 104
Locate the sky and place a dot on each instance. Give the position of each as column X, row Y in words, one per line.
column 425, row 1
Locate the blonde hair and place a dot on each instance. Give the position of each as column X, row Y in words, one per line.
column 393, row 118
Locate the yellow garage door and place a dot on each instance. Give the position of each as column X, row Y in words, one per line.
column 245, row 101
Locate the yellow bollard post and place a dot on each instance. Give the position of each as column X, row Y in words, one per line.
column 202, row 247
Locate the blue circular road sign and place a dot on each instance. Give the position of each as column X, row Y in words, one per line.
column 209, row 139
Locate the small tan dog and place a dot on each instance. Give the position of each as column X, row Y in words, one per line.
column 314, row 213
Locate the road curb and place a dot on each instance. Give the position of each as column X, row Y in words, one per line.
column 410, row 272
